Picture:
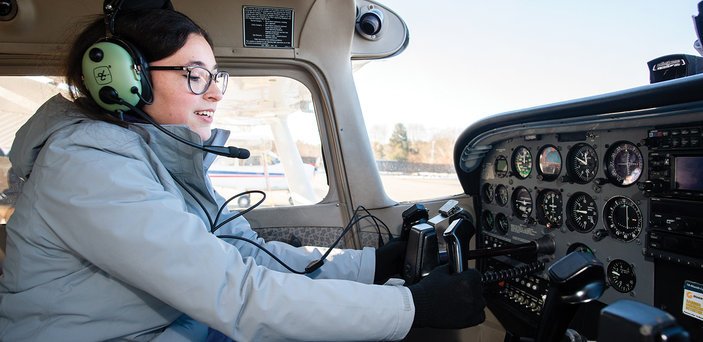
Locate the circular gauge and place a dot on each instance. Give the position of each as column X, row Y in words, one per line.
column 582, row 163
column 522, row 162
column 549, row 163
column 622, row 218
column 621, row 276
column 487, row 193
column 500, row 166
column 487, row 220
column 549, row 208
column 623, row 163
column 522, row 202
column 501, row 223
column 501, row 195
column 581, row 212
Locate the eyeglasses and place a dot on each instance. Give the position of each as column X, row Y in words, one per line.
column 199, row 78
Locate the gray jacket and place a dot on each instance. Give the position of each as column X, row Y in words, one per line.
column 104, row 244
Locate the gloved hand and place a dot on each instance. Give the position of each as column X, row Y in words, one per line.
column 449, row 301
column 389, row 260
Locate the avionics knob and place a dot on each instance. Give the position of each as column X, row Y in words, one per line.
column 600, row 234
column 652, row 186
column 600, row 181
column 678, row 225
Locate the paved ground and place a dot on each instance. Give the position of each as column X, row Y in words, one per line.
column 413, row 188
column 401, row 188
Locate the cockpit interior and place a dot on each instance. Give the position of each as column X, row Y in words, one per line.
column 584, row 216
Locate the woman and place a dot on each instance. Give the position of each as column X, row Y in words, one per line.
column 106, row 243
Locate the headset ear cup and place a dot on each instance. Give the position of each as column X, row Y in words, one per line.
column 143, row 69
column 114, row 63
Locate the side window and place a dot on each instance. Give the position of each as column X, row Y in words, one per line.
column 20, row 98
column 272, row 117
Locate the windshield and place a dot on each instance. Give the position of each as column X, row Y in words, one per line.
column 467, row 60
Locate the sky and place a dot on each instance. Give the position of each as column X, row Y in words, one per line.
column 469, row 59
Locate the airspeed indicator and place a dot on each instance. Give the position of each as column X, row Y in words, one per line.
column 522, row 162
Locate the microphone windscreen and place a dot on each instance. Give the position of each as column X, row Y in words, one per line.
column 243, row 153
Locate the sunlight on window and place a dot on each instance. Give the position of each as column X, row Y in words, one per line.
column 274, row 119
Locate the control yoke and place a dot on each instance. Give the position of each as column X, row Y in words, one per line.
column 542, row 246
column 577, row 278
column 457, row 229
column 574, row 279
column 628, row 320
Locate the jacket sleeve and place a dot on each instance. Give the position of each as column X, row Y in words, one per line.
column 114, row 211
column 349, row 264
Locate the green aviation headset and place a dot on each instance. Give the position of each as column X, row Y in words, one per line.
column 113, row 69
column 117, row 76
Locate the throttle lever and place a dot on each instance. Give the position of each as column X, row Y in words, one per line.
column 457, row 236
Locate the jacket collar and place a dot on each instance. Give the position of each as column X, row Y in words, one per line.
column 187, row 164
column 179, row 157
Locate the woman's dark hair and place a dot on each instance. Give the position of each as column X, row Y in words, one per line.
column 155, row 33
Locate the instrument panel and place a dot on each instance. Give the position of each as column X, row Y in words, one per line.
column 617, row 175
column 581, row 189
column 629, row 194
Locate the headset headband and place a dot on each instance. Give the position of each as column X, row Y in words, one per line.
column 135, row 5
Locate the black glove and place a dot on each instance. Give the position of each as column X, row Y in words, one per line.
column 389, row 260
column 449, row 301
